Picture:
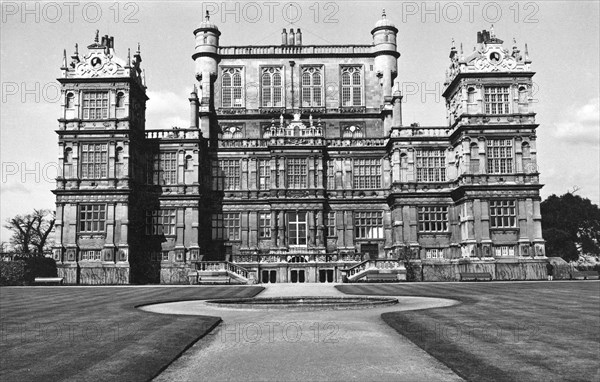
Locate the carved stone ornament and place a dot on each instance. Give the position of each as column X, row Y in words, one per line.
column 97, row 64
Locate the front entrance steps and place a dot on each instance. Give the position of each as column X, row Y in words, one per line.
column 376, row 270
column 220, row 272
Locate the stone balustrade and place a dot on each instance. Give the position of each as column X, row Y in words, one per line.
column 295, row 50
column 412, row 131
column 174, row 134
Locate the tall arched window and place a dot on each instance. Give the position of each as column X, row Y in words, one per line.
column 351, row 86
column 312, row 82
column 523, row 94
column 119, row 159
column 68, row 163
column 120, row 99
column 529, row 166
column 474, row 150
column 523, row 99
column 231, row 87
column 526, row 150
column 474, row 165
column 68, row 155
column 471, row 95
column 70, row 101
column 272, row 87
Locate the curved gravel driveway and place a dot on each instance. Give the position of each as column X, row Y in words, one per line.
column 261, row 345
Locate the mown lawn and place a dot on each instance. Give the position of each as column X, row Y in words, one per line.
column 530, row 331
column 96, row 333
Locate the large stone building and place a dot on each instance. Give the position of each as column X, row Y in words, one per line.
column 296, row 167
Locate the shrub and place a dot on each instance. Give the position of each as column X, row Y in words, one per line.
column 587, row 262
column 23, row 271
column 588, row 267
column 39, row 267
column 12, row 272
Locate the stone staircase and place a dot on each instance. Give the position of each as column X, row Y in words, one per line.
column 220, row 272
column 376, row 270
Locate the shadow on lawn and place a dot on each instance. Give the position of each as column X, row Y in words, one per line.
column 503, row 331
column 82, row 333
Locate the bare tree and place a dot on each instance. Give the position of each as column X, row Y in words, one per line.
column 44, row 225
column 405, row 255
column 30, row 232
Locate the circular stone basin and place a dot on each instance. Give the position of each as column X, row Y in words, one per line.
column 304, row 303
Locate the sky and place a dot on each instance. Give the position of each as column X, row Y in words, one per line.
column 562, row 37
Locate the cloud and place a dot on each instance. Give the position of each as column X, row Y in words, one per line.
column 14, row 187
column 166, row 109
column 580, row 124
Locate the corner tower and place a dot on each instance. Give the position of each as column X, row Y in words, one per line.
column 206, row 57
column 489, row 104
column 386, row 65
column 101, row 138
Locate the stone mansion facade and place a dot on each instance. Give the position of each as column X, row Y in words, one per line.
column 296, row 167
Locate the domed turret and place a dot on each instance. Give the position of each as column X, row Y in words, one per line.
column 207, row 24
column 384, row 36
column 386, row 66
column 384, row 22
column 384, row 45
column 207, row 45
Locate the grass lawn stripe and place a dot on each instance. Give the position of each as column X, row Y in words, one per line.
column 144, row 345
column 505, row 331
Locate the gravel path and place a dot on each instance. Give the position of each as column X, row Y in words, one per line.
column 260, row 345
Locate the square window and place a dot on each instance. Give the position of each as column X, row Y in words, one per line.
column 433, row 218
column 368, row 225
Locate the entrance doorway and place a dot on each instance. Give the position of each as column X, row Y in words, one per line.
column 325, row 275
column 297, row 276
column 269, row 276
column 370, row 249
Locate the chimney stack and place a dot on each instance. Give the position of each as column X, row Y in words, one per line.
column 298, row 37
column 291, row 38
column 284, row 37
column 194, row 111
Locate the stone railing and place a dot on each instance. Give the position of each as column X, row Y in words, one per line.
column 300, row 49
column 290, row 131
column 296, row 141
column 356, row 142
column 174, row 134
column 412, row 131
column 305, row 110
column 242, row 143
column 302, row 140
column 372, row 264
column 308, row 254
column 221, row 266
column 499, row 119
column 234, row 268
